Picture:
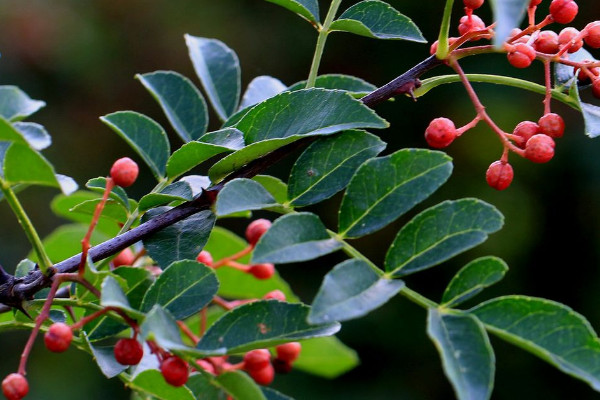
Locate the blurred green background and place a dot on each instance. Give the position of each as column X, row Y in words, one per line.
column 81, row 56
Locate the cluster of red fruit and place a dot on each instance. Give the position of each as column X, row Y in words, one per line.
column 532, row 140
column 262, row 369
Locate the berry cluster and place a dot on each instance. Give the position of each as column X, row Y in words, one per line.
column 532, row 140
column 262, row 367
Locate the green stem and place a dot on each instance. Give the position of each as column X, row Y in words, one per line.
column 442, row 50
column 418, row 299
column 323, row 32
column 43, row 260
column 352, row 252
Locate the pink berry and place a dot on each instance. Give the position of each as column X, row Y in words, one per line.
column 263, row 376
column 521, row 56
column 288, row 351
column 563, row 11
column 567, row 36
column 525, row 130
column 15, row 387
column 592, row 37
column 547, row 42
column 552, row 124
column 499, row 175
column 275, row 294
column 256, row 229
column 262, row 271
column 175, row 371
column 124, row 172
column 256, row 359
column 205, row 258
column 440, row 133
column 470, row 23
column 128, row 352
column 540, row 148
column 534, row 3
column 125, row 257
column 58, row 337
column 473, row 4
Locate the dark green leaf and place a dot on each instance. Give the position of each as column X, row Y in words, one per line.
column 61, row 205
column 352, row 84
column 184, row 288
column 260, row 89
column 307, row 9
column 117, row 193
column 65, row 242
column 229, row 137
column 385, row 188
column 23, row 268
column 181, row 101
column 591, row 116
column 293, row 238
column 8, row 133
column 144, row 135
column 272, row 394
column 240, row 386
column 35, row 134
column 350, row 290
column 564, row 74
column 178, row 191
column 466, row 352
column 152, row 382
column 180, row 241
column 218, row 68
column 326, row 356
column 15, row 105
column 379, row 20
column 190, row 155
column 22, row 164
column 307, row 112
column 262, row 324
column 242, row 195
column 327, row 165
column 112, row 210
column 113, row 295
column 441, row 232
column 472, row 279
column 508, row 15
column 105, row 358
column 205, row 388
column 138, row 281
column 275, row 186
column 549, row 330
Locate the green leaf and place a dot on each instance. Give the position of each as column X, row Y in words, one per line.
column 293, row 114
column 191, row 155
column 352, row 84
column 327, row 165
column 21, row 164
column 275, row 186
column 15, row 105
column 35, row 134
column 441, row 232
column 218, row 68
column 178, row 191
column 293, row 238
column 467, row 355
column 161, row 327
column 9, row 133
column 272, row 394
column 180, row 100
column 105, row 358
column 262, row 324
column 591, row 115
column 65, row 242
column 184, row 288
column 307, row 9
column 472, row 279
column 23, row 268
column 237, row 284
column 508, row 15
column 242, row 195
column 327, row 357
column 112, row 210
column 113, row 295
column 152, row 382
column 144, row 135
column 98, row 185
column 379, row 20
column 240, row 386
column 564, row 74
column 197, row 183
column 204, row 387
column 350, row 290
column 549, row 330
column 384, row 188
column 260, row 89
column 180, row 241
column 138, row 281
column 228, row 137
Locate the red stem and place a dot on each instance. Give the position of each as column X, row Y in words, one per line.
column 548, row 82
column 233, row 257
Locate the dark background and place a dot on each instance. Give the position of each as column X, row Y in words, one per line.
column 81, row 56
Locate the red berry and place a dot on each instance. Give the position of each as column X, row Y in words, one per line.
column 540, row 148
column 263, row 376
column 567, row 36
column 469, row 23
column 124, row 172
column 440, row 133
column 592, row 37
column 126, row 257
column 205, row 258
column 552, row 125
column 282, row 366
column 262, row 271
column 584, row 74
column 563, row 11
column 288, row 351
column 58, row 337
column 596, row 88
column 15, row 387
column 175, row 371
column 256, row 229
column 275, row 294
column 128, row 352
column 546, row 42
column 526, row 130
column 256, row 359
column 499, row 175
column 521, row 56
column 473, row 4
column 534, row 3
